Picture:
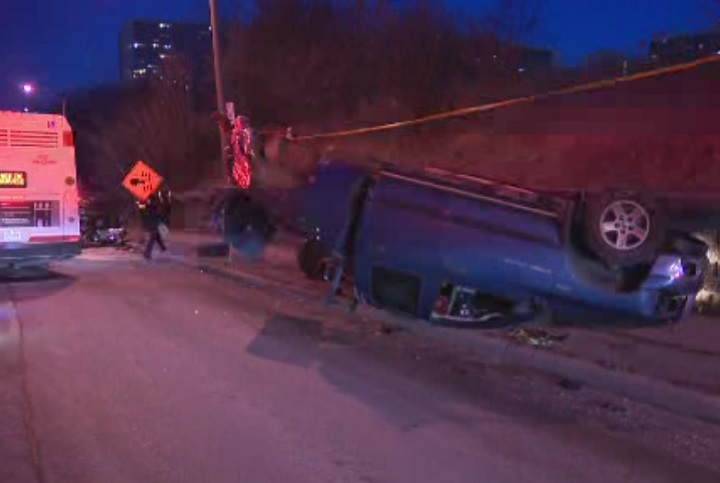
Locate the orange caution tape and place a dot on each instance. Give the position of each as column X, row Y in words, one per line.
column 591, row 86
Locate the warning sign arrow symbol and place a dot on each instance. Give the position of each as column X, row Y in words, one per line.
column 142, row 181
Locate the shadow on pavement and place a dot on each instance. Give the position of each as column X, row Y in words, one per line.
column 307, row 343
column 30, row 274
column 35, row 282
column 288, row 340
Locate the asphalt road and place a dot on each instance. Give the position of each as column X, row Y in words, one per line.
column 115, row 370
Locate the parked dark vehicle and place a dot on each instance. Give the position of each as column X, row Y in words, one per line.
column 458, row 249
column 102, row 229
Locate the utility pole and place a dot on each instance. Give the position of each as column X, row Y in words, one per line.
column 217, row 61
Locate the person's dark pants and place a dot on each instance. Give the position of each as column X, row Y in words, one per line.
column 154, row 237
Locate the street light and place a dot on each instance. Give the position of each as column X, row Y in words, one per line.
column 29, row 90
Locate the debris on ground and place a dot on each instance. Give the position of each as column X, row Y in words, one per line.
column 535, row 337
column 387, row 329
column 611, row 406
column 570, row 384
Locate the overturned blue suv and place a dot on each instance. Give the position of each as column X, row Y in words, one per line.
column 465, row 250
column 469, row 251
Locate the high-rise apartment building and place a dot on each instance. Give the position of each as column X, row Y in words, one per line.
column 145, row 44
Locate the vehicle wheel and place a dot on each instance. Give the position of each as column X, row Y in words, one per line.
column 246, row 225
column 624, row 228
column 310, row 259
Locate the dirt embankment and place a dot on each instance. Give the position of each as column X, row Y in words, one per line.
column 658, row 133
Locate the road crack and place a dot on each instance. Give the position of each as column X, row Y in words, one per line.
column 27, row 406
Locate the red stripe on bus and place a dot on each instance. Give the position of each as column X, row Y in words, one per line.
column 54, row 239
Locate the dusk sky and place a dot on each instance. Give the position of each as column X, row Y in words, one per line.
column 74, row 43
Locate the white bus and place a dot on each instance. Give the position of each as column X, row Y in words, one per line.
column 39, row 202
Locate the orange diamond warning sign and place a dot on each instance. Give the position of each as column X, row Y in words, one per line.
column 142, row 181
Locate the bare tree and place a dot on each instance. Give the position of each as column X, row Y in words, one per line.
column 160, row 126
column 424, row 58
column 318, row 60
column 293, row 61
column 311, row 62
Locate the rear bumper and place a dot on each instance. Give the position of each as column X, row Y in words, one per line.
column 19, row 254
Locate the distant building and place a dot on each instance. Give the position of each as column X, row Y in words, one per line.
column 684, row 48
column 145, row 44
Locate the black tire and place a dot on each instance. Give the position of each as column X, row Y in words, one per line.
column 310, row 258
column 246, row 225
column 639, row 230
column 240, row 213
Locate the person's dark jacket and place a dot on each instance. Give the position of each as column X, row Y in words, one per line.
column 151, row 216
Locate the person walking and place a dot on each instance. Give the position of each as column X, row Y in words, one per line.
column 152, row 216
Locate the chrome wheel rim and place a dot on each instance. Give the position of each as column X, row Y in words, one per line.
column 624, row 225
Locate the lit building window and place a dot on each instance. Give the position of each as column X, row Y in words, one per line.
column 137, row 45
column 164, row 26
column 156, row 46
